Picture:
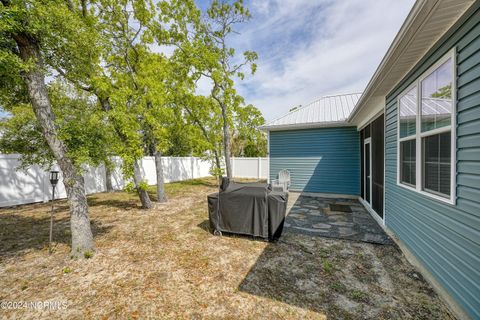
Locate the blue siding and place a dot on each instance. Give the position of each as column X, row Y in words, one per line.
column 325, row 160
column 445, row 238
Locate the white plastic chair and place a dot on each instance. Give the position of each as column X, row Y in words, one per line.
column 283, row 180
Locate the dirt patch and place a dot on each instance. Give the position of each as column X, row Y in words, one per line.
column 164, row 263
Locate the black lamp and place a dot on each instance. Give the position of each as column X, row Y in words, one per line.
column 53, row 180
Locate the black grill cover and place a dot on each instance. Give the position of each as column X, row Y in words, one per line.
column 248, row 209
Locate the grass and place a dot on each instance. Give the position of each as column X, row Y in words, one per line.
column 164, row 263
column 327, row 267
column 358, row 295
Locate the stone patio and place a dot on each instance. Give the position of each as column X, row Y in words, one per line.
column 340, row 218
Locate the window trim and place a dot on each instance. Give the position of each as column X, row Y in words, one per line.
column 419, row 134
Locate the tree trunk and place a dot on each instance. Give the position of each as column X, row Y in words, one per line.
column 226, row 142
column 82, row 238
column 217, row 160
column 108, row 178
column 142, row 193
column 219, row 165
column 161, row 197
column 137, row 176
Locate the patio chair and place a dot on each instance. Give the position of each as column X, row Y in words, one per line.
column 283, row 180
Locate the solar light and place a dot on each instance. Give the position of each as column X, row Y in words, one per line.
column 53, row 180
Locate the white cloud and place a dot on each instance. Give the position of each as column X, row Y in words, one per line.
column 311, row 48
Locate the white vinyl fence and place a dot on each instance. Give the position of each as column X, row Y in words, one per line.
column 250, row 168
column 33, row 185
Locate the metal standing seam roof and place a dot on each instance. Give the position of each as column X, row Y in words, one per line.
column 429, row 107
column 324, row 111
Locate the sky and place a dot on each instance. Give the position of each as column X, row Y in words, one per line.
column 311, row 48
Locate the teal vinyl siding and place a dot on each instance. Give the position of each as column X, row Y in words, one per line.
column 445, row 238
column 325, row 160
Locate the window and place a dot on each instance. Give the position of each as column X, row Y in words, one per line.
column 408, row 106
column 436, row 163
column 408, row 113
column 408, row 163
column 425, row 136
column 437, row 98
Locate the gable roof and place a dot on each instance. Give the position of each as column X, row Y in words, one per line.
column 326, row 111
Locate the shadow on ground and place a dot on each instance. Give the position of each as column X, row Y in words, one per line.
column 288, row 272
column 19, row 233
column 124, row 204
column 340, row 273
column 205, row 226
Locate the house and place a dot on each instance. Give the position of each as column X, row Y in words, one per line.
column 408, row 146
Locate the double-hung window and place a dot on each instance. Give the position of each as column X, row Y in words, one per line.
column 425, row 132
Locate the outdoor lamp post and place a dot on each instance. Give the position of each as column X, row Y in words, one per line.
column 53, row 180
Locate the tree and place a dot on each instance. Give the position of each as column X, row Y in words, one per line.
column 32, row 35
column 79, row 123
column 204, row 113
column 248, row 140
column 129, row 79
column 148, row 81
column 218, row 63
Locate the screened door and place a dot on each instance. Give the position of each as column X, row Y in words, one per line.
column 368, row 175
column 372, row 140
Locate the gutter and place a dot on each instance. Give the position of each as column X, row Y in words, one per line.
column 312, row 125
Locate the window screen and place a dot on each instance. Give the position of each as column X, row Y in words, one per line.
column 407, row 162
column 437, row 163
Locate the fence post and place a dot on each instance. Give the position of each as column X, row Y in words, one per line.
column 233, row 166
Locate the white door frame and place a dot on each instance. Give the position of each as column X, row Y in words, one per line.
column 369, row 142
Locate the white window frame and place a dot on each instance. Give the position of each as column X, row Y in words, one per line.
column 419, row 134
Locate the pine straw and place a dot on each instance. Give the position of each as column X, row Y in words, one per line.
column 164, row 263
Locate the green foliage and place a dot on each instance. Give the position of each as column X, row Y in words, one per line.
column 143, row 185
column 358, row 295
column 65, row 38
column 67, row 270
column 21, row 134
column 216, row 172
column 129, row 187
column 114, row 94
column 248, row 140
column 224, row 109
column 443, row 92
column 327, row 266
column 143, row 86
column 338, row 287
column 79, row 122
